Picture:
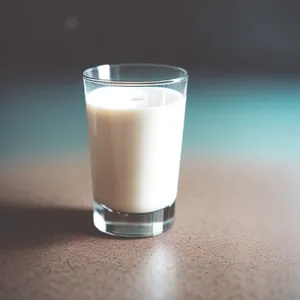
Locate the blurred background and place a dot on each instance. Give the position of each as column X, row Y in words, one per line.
column 243, row 57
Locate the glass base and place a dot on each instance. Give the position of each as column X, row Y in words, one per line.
column 133, row 225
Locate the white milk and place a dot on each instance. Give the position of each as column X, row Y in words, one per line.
column 135, row 144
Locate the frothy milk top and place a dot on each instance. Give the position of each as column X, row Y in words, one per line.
column 123, row 98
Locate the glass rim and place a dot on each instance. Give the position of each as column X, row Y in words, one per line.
column 171, row 80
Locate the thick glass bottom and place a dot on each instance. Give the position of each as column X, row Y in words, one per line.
column 133, row 225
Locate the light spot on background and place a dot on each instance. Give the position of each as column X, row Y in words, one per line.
column 71, row 23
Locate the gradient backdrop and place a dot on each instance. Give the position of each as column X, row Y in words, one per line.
column 243, row 58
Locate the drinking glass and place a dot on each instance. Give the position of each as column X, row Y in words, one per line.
column 135, row 118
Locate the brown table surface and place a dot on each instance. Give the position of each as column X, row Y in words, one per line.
column 236, row 236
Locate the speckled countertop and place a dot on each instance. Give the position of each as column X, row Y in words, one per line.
column 236, row 236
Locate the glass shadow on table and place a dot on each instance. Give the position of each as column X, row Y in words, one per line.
column 28, row 226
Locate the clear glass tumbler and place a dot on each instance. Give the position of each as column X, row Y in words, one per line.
column 135, row 120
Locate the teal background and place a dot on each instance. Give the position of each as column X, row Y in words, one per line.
column 251, row 116
column 243, row 58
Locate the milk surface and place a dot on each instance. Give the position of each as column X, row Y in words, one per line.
column 135, row 145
